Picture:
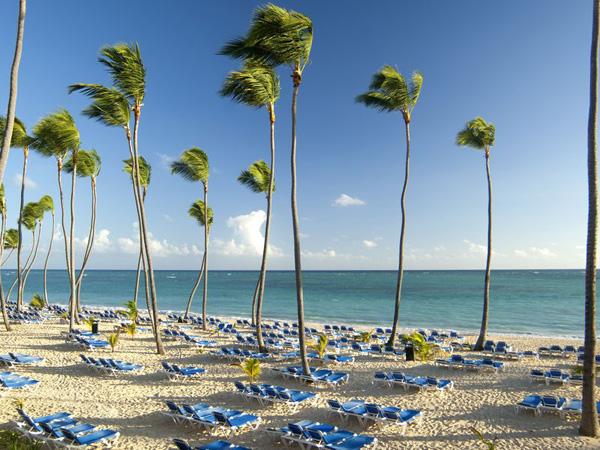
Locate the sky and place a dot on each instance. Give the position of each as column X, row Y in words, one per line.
column 523, row 66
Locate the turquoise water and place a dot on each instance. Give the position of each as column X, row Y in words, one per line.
column 547, row 302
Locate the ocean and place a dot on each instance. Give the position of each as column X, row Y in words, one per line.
column 543, row 302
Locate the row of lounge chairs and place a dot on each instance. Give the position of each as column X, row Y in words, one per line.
column 557, row 350
column 367, row 413
column 409, row 381
column 191, row 340
column 236, row 354
column 540, row 404
column 321, row 377
column 212, row 419
column 458, row 362
column 216, row 445
column 267, row 394
column 110, row 366
column 331, row 358
column 554, row 375
column 10, row 381
column 19, row 359
column 62, row 430
column 174, row 372
column 309, row 434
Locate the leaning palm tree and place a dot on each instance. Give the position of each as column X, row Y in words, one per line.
column 480, row 135
column 12, row 95
column 29, row 220
column 88, row 166
column 57, row 135
column 47, row 205
column 11, row 242
column 145, row 176
column 193, row 166
column 19, row 140
column 2, row 246
column 196, row 211
column 389, row 92
column 589, row 418
column 257, row 85
column 259, row 178
column 35, row 214
column 282, row 38
column 113, row 107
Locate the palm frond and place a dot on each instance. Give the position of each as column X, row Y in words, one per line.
column 109, row 107
column 477, row 134
column 145, row 170
column 11, row 238
column 30, row 215
column 256, row 85
column 46, row 204
column 192, row 166
column 19, row 139
column 389, row 91
column 56, row 134
column 124, row 64
column 196, row 212
column 88, row 164
column 257, row 177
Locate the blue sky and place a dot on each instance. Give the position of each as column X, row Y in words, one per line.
column 522, row 65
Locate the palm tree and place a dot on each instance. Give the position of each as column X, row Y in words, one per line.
column 113, row 107
column 389, row 92
column 259, row 178
column 30, row 220
column 3, row 242
column 56, row 135
column 88, row 166
column 11, row 242
column 20, row 140
column 257, row 85
column 589, row 417
column 44, row 205
column 47, row 204
column 145, row 176
column 196, row 211
column 281, row 37
column 193, row 166
column 12, row 95
column 480, row 135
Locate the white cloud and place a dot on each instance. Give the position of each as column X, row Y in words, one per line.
column 165, row 160
column 167, row 217
column 439, row 248
column 29, row 183
column 325, row 254
column 535, row 253
column 346, row 200
column 102, row 242
column 247, row 239
column 369, row 244
column 475, row 248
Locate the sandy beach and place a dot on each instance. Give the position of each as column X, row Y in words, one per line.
column 132, row 403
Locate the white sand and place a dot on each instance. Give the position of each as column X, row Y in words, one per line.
column 131, row 403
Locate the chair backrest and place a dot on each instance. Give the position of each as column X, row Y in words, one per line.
column 432, row 381
column 373, row 409
column 550, row 400
column 555, row 373
column 181, row 444
column 315, row 435
column 296, row 430
column 285, row 396
column 399, row 376
column 334, row 404
column 69, row 434
column 537, row 373
column 173, row 407
column 240, row 386
column 391, row 415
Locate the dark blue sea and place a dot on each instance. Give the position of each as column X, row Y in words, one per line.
column 546, row 302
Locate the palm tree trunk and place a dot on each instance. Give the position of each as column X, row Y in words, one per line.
column 6, row 259
column 392, row 339
column 488, row 262
column 297, row 254
column 46, row 262
column 73, row 302
column 254, row 300
column 589, row 417
column 12, row 95
column 24, row 265
column 200, row 273
column 150, row 272
column 64, row 226
column 2, row 302
column 27, row 270
column 90, row 244
column 263, row 267
column 206, row 226
column 20, row 228
column 139, row 264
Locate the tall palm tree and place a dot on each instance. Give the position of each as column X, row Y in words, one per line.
column 12, row 95
column 113, row 107
column 193, row 166
column 259, row 178
column 197, row 211
column 480, row 135
column 389, row 92
column 29, row 219
column 145, row 176
column 57, row 135
column 19, row 140
column 257, row 85
column 2, row 244
column 11, row 242
column 88, row 166
column 282, row 38
column 589, row 418
column 33, row 214
column 47, row 205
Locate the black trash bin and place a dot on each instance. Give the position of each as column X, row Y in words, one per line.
column 410, row 353
column 95, row 327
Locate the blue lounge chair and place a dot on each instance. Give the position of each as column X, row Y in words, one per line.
column 551, row 403
column 531, row 403
column 537, row 375
column 354, row 443
column 97, row 437
column 555, row 375
column 232, row 424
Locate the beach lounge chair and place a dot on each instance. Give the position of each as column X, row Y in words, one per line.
column 320, row 439
column 489, row 364
column 551, row 403
column 55, row 433
column 354, row 443
column 353, row 408
column 231, row 424
column 531, row 403
column 555, row 375
column 537, row 375
column 105, row 437
column 220, row 445
column 18, row 358
column 403, row 418
column 382, row 379
column 556, row 350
